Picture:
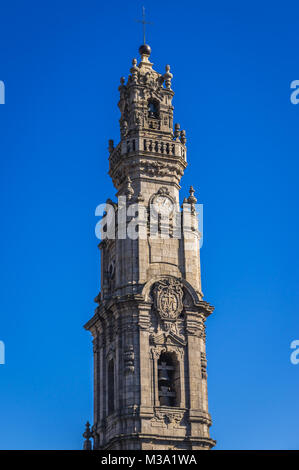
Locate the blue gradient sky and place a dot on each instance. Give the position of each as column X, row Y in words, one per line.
column 232, row 63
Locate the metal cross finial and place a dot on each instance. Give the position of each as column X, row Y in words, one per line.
column 143, row 23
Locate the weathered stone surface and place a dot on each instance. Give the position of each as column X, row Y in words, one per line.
column 150, row 368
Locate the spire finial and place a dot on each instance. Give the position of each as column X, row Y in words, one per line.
column 167, row 77
column 143, row 23
column 192, row 199
column 87, row 435
column 144, row 50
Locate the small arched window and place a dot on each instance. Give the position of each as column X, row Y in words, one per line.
column 153, row 109
column 110, row 386
column 168, row 380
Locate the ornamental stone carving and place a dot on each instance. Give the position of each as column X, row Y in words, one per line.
column 169, row 418
column 156, row 352
column 203, row 365
column 168, row 296
column 129, row 357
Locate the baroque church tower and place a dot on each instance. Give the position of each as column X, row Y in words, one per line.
column 150, row 367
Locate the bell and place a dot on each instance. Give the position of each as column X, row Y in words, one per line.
column 164, row 401
column 163, row 395
column 163, row 375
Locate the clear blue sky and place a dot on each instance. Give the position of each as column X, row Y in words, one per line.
column 232, row 63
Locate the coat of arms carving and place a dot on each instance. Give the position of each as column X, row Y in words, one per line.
column 168, row 294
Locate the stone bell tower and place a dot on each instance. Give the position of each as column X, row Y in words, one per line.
column 150, row 367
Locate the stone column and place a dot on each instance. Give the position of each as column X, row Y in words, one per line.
column 146, row 400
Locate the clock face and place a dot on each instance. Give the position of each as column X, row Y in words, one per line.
column 163, row 205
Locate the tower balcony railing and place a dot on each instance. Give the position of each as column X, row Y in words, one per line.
column 147, row 146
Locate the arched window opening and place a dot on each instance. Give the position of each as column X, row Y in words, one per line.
column 168, row 380
column 153, row 109
column 110, row 386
